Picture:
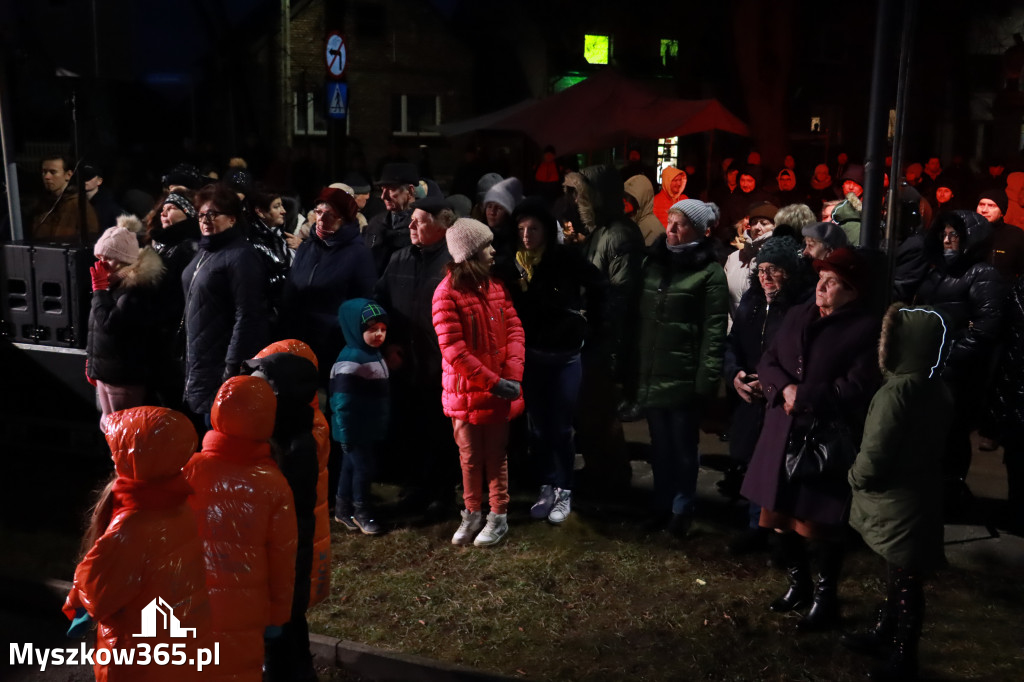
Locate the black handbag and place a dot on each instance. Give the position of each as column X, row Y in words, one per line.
column 825, row 451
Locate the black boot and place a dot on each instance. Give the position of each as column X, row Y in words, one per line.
column 363, row 518
column 902, row 663
column 877, row 641
column 824, row 613
column 793, row 553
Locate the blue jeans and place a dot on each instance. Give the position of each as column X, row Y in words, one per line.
column 355, row 477
column 551, row 388
column 675, row 460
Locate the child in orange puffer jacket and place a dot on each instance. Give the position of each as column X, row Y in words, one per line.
column 246, row 518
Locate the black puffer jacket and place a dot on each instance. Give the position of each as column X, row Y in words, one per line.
column 385, row 234
column 969, row 292
column 124, row 346
column 225, row 314
column 753, row 327
column 1008, row 406
column 277, row 257
column 177, row 246
column 406, row 291
column 324, row 275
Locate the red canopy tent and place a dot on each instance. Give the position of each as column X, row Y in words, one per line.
column 603, row 111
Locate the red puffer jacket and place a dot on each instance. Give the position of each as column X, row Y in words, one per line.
column 151, row 548
column 247, row 522
column 320, row 582
column 481, row 342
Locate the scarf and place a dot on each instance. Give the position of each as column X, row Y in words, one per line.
column 235, row 448
column 527, row 260
column 165, row 493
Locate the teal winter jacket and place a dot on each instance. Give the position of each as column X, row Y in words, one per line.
column 359, row 383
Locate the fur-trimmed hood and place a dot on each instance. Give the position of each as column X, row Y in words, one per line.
column 913, row 340
column 148, row 270
column 598, row 195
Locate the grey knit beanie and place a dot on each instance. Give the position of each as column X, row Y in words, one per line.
column 701, row 215
column 507, row 193
column 465, row 237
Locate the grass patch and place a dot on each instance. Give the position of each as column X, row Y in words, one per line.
column 596, row 599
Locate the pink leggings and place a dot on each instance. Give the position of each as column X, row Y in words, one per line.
column 482, row 456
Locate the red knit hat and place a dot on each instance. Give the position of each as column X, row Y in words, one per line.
column 849, row 266
column 340, row 201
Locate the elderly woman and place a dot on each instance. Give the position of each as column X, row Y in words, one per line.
column 225, row 316
column 819, row 366
column 684, row 305
column 330, row 267
column 778, row 284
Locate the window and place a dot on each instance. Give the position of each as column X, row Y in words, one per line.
column 668, row 153
column 566, row 82
column 596, row 49
column 415, row 115
column 309, row 112
column 669, row 51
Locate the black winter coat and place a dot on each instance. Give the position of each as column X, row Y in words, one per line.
column 385, row 234
column 225, row 314
column 177, row 246
column 324, row 275
column 277, row 257
column 1008, row 406
column 124, row 346
column 406, row 291
column 833, row 362
column 969, row 293
column 562, row 305
column 753, row 327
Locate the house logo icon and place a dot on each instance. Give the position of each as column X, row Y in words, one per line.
column 160, row 610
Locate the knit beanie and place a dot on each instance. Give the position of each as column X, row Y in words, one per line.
column 486, row 182
column 372, row 312
column 998, row 196
column 182, row 203
column 701, row 215
column 117, row 243
column 507, row 194
column 781, row 252
column 465, row 237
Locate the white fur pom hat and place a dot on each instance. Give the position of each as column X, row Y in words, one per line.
column 467, row 236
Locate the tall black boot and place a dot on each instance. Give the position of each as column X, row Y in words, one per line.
column 824, row 613
column 902, row 663
column 878, row 640
column 792, row 553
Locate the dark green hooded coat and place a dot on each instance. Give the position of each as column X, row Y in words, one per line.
column 897, row 478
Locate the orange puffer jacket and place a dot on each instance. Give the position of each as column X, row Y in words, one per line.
column 247, row 522
column 481, row 342
column 151, row 548
column 320, row 580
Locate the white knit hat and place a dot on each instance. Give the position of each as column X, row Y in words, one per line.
column 118, row 244
column 507, row 193
column 465, row 237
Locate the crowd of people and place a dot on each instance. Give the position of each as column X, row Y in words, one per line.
column 311, row 354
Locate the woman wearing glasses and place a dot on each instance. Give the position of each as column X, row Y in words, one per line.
column 225, row 319
column 777, row 283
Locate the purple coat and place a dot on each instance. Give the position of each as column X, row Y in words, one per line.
column 833, row 360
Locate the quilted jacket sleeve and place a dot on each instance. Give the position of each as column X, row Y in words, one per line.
column 110, row 575
column 454, row 349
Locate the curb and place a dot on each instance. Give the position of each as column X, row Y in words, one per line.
column 363, row 660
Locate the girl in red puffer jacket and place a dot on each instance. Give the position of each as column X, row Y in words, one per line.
column 482, row 350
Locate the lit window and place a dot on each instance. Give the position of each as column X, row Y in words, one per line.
column 308, row 113
column 566, row 82
column 596, row 49
column 668, row 153
column 669, row 51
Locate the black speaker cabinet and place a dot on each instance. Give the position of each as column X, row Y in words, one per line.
column 54, row 309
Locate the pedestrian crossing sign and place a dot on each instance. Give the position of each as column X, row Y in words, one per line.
column 337, row 100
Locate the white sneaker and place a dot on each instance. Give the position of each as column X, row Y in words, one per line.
column 542, row 507
column 471, row 524
column 494, row 531
column 563, row 505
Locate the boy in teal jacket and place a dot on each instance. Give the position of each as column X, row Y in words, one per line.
column 359, row 406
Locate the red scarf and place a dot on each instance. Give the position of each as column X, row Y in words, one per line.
column 236, row 448
column 165, row 493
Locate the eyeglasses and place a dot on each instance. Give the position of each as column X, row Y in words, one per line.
column 769, row 271
column 210, row 216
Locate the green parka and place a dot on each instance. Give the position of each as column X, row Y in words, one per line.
column 896, row 478
column 684, row 308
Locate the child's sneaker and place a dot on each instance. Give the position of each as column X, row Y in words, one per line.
column 562, row 507
column 494, row 531
column 471, row 524
column 364, row 521
column 542, row 507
